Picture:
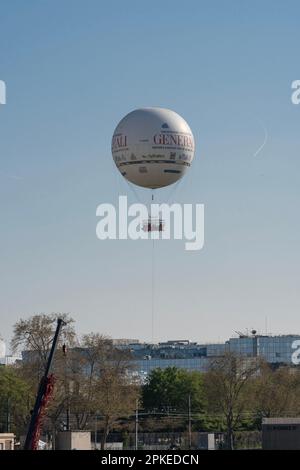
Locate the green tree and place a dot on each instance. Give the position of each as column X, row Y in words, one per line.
column 35, row 335
column 169, row 389
column 101, row 383
column 15, row 400
column 227, row 386
column 276, row 393
column 93, row 379
column 91, row 375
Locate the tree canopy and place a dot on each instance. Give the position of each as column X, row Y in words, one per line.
column 171, row 388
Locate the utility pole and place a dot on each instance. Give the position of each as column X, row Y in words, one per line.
column 190, row 423
column 136, row 424
column 95, row 440
column 68, row 416
column 8, row 414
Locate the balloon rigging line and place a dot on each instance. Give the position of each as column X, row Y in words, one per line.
column 152, row 292
column 152, row 280
column 264, row 142
column 134, row 192
column 173, row 192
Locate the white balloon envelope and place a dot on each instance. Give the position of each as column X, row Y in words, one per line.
column 153, row 147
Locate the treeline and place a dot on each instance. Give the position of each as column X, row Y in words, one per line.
column 96, row 383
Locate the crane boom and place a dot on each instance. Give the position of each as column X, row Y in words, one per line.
column 45, row 391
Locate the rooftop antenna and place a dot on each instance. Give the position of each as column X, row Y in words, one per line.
column 241, row 334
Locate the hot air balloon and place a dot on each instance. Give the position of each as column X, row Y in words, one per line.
column 153, row 147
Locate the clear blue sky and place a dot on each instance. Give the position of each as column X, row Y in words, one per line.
column 73, row 69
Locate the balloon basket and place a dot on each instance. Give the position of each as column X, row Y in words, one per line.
column 153, row 225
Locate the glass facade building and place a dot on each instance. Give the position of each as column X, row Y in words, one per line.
column 275, row 350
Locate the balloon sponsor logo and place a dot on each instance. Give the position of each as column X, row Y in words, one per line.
column 177, row 140
column 159, row 222
column 2, row 92
column 295, row 97
column 119, row 141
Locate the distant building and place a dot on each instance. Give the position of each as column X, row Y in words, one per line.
column 281, row 434
column 189, row 355
column 73, row 440
column 124, row 341
column 275, row 350
column 6, row 359
column 2, row 348
column 7, row 441
column 9, row 360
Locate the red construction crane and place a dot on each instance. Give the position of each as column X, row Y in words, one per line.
column 44, row 394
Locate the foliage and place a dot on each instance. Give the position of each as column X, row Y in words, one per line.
column 35, row 335
column 169, row 389
column 94, row 379
column 276, row 393
column 226, row 387
column 15, row 400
